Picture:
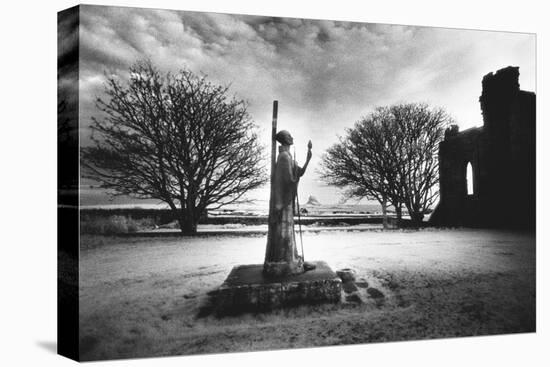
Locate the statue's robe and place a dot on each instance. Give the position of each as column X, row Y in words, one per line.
column 281, row 253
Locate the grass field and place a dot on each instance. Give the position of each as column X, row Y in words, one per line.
column 145, row 296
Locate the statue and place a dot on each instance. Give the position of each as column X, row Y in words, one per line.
column 281, row 253
column 280, row 281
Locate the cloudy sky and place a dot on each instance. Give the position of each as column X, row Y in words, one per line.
column 325, row 74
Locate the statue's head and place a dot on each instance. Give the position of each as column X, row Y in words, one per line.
column 284, row 138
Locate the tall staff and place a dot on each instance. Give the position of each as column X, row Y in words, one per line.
column 273, row 152
column 269, row 249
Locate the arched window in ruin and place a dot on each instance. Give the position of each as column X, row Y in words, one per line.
column 469, row 179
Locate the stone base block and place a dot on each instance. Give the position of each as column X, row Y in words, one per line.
column 247, row 289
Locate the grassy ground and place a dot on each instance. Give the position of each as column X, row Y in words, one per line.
column 143, row 296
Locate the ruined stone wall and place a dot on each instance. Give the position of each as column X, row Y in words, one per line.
column 502, row 154
column 455, row 153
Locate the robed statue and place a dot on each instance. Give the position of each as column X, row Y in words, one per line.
column 282, row 256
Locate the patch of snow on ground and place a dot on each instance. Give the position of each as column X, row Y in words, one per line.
column 144, row 296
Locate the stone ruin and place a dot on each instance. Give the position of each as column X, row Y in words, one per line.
column 501, row 156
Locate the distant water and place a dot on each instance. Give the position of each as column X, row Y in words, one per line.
column 259, row 207
column 126, row 206
column 93, row 197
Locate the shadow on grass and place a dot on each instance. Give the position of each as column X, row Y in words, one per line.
column 209, row 308
column 49, row 346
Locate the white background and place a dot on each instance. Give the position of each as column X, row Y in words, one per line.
column 28, row 184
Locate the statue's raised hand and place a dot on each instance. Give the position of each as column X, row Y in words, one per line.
column 309, row 146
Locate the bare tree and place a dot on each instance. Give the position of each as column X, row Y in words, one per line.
column 363, row 161
column 177, row 138
column 390, row 156
column 420, row 130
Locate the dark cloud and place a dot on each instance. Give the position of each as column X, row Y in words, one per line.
column 325, row 74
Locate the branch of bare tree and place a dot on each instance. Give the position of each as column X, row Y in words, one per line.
column 177, row 138
column 390, row 156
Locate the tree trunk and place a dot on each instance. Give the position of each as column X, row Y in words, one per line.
column 188, row 227
column 188, row 221
column 398, row 213
column 384, row 215
column 416, row 218
column 415, row 214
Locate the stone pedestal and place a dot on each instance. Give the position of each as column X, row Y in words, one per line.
column 247, row 289
column 283, row 268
